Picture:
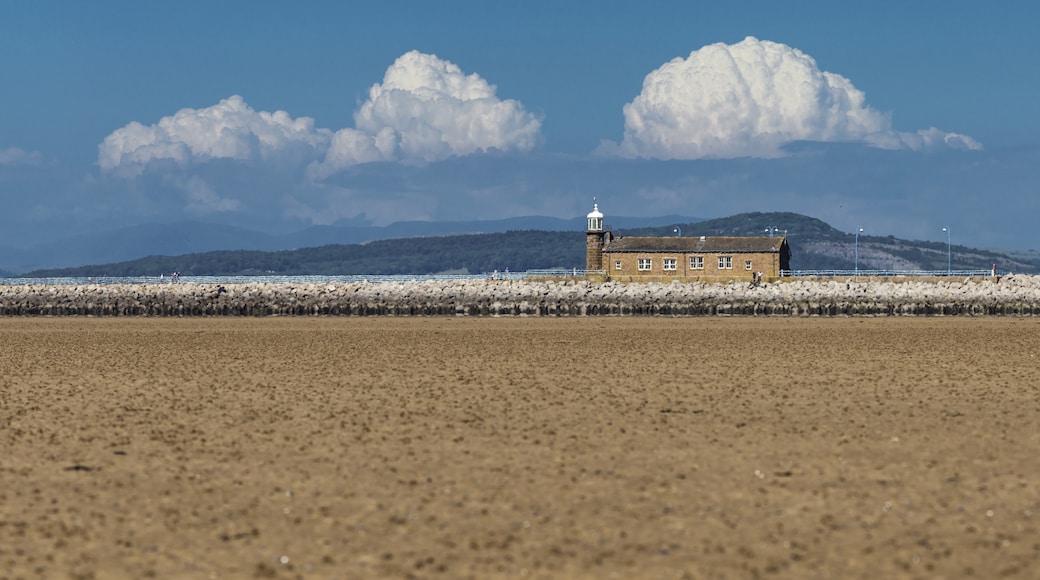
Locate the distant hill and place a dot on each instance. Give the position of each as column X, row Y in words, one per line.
column 470, row 253
column 814, row 245
column 175, row 239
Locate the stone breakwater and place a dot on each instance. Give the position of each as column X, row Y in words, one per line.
column 1009, row 295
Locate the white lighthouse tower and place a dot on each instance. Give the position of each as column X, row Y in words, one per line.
column 594, row 239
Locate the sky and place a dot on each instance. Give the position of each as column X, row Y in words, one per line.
column 898, row 117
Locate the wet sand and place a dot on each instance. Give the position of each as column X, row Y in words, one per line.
column 519, row 447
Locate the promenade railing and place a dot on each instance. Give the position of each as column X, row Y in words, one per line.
column 238, row 279
column 496, row 275
column 561, row 273
column 890, row 273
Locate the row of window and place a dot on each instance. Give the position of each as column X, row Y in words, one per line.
column 696, row 263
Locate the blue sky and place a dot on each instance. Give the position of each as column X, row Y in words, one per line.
column 262, row 114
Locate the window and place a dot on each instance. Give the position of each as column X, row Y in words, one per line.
column 617, row 264
column 725, row 262
column 696, row 262
column 668, row 263
column 645, row 263
column 747, row 264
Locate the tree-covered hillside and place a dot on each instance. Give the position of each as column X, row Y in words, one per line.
column 474, row 253
column 751, row 224
column 815, row 245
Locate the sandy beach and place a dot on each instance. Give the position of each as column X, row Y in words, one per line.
column 462, row 447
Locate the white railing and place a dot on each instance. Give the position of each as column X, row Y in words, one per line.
column 74, row 280
column 503, row 275
column 561, row 273
column 890, row 273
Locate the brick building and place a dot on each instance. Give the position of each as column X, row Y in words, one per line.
column 707, row 258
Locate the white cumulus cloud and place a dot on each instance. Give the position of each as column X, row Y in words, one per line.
column 426, row 109
column 751, row 98
column 202, row 198
column 18, row 156
column 231, row 129
column 231, row 159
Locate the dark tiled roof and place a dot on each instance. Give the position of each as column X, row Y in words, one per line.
column 708, row 244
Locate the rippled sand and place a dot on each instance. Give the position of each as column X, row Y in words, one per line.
column 482, row 447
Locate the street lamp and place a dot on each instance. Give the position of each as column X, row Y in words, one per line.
column 949, row 252
column 858, row 232
column 678, row 231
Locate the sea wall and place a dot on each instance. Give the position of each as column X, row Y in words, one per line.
column 1008, row 295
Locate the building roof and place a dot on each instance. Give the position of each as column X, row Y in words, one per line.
column 707, row 244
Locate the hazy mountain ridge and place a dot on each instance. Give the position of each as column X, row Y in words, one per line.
column 175, row 239
column 468, row 253
column 814, row 245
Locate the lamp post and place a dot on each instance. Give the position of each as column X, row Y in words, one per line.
column 949, row 252
column 858, row 232
column 678, row 231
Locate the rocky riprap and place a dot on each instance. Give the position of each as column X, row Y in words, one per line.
column 1008, row 295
